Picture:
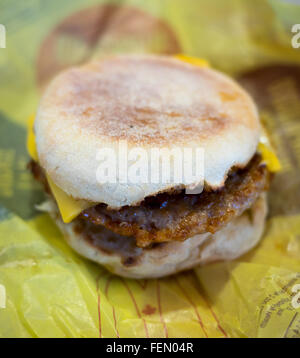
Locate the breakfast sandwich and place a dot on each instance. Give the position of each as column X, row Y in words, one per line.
column 151, row 227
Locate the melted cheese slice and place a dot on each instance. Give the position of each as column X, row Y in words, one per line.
column 192, row 60
column 30, row 143
column 70, row 208
column 268, row 154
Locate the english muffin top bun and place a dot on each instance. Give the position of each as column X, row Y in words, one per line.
column 149, row 101
column 151, row 229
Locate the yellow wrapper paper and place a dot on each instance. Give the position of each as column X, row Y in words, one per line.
column 47, row 290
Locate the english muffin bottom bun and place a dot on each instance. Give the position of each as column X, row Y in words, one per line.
column 121, row 256
column 151, row 228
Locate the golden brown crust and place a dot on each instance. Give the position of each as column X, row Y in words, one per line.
column 136, row 100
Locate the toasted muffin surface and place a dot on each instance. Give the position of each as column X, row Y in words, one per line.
column 147, row 101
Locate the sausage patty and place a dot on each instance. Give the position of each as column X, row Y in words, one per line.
column 166, row 217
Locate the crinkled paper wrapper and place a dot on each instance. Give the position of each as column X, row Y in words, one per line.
column 46, row 290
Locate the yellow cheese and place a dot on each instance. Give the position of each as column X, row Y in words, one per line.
column 69, row 207
column 31, row 147
column 192, row 60
column 268, row 154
